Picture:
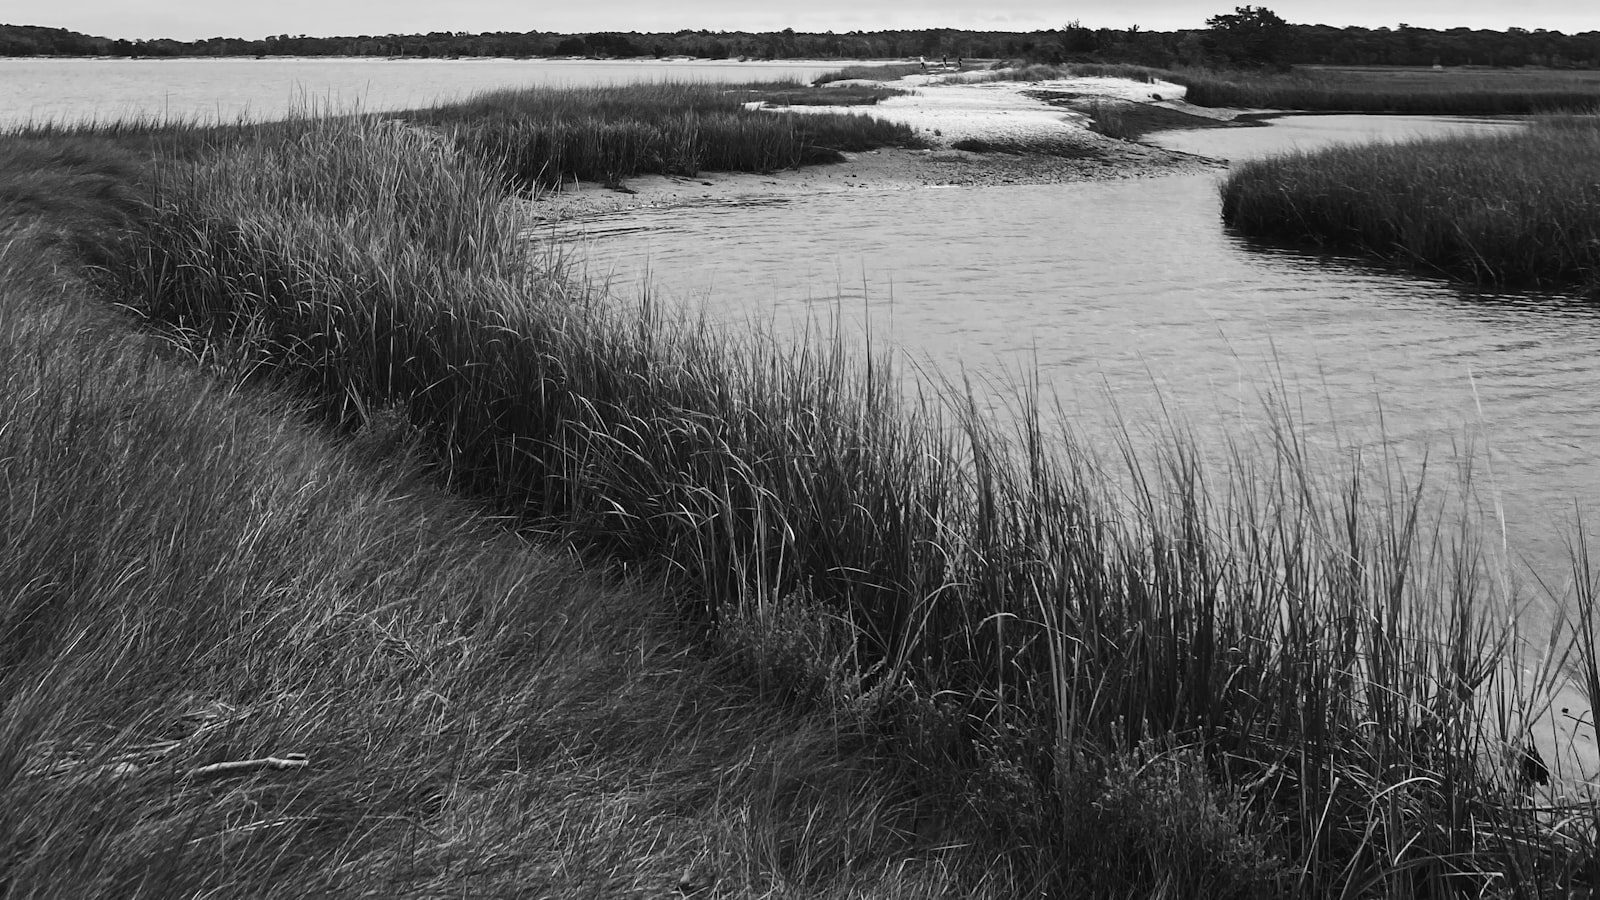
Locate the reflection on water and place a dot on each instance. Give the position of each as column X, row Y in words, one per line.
column 1131, row 302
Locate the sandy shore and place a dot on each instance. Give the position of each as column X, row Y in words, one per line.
column 944, row 112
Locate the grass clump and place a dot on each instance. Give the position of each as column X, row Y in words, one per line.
column 1065, row 146
column 1159, row 822
column 1283, row 679
column 548, row 137
column 888, row 72
column 1513, row 209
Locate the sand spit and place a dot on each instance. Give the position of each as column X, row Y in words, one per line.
column 946, row 112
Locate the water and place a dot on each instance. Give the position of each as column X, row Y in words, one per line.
column 71, row 90
column 1134, row 305
column 1312, row 132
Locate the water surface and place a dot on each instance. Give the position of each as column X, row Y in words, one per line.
column 74, row 90
column 1312, row 132
column 1134, row 306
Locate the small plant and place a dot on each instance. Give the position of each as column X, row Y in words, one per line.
column 1157, row 822
column 794, row 649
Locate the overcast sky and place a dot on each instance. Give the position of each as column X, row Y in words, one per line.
column 191, row 19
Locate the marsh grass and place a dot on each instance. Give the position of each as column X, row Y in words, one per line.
column 824, row 95
column 550, row 136
column 1467, row 92
column 1514, row 209
column 1293, row 670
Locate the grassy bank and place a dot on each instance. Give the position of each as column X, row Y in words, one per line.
column 1515, row 209
column 192, row 576
column 1281, row 680
column 551, row 136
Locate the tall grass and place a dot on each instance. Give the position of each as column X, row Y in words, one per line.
column 1514, row 209
column 1286, row 679
column 549, row 136
column 191, row 576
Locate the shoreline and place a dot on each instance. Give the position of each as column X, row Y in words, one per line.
column 1054, row 145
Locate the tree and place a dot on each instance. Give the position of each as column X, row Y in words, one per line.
column 1249, row 36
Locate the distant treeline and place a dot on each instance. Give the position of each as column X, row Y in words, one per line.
column 1298, row 44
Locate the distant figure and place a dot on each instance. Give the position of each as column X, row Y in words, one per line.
column 924, row 63
column 958, row 63
column 944, row 61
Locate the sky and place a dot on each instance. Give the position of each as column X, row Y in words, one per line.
column 192, row 19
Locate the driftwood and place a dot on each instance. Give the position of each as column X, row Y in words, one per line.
column 54, row 760
column 250, row 766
